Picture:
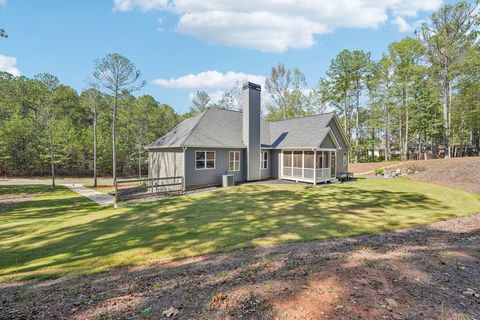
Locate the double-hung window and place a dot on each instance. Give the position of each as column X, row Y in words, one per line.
column 234, row 161
column 204, row 160
column 345, row 159
column 264, row 160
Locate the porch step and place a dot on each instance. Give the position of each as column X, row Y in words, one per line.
column 333, row 181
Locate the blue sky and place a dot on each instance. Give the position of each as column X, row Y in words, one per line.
column 171, row 39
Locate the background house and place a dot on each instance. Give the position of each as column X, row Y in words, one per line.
column 217, row 142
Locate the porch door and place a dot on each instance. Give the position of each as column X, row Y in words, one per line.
column 333, row 164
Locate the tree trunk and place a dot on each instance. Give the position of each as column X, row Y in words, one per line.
column 345, row 118
column 139, row 161
column 406, row 127
column 95, row 146
column 419, row 155
column 114, row 158
column 357, row 122
column 400, row 140
column 446, row 110
column 387, row 138
column 404, row 142
column 52, row 164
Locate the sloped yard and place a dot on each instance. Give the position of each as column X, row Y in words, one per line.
column 58, row 233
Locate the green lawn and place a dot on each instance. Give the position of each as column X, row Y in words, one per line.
column 59, row 232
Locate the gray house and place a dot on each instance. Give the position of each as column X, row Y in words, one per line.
column 201, row 149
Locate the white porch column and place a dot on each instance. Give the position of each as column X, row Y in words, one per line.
column 315, row 167
column 303, row 164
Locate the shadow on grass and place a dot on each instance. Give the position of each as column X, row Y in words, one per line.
column 264, row 273
column 224, row 220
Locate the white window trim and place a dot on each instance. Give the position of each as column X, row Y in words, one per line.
column 262, row 160
column 234, row 161
column 214, row 160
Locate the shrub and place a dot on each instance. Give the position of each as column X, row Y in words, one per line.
column 379, row 171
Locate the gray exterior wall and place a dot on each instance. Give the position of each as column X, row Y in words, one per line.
column 343, row 147
column 276, row 164
column 328, row 143
column 251, row 129
column 163, row 163
column 204, row 177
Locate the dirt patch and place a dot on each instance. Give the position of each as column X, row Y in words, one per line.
column 460, row 173
column 7, row 201
column 369, row 167
column 429, row 272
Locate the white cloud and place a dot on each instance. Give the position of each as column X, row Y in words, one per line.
column 144, row 5
column 211, row 79
column 2, row 2
column 277, row 25
column 8, row 64
column 402, row 25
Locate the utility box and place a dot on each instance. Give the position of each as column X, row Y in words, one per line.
column 228, row 180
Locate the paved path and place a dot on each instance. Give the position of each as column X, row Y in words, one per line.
column 100, row 198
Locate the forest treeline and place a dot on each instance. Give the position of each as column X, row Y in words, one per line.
column 41, row 118
column 421, row 97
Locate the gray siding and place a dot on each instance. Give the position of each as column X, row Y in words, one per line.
column 197, row 178
column 328, row 143
column 164, row 163
column 343, row 147
column 276, row 164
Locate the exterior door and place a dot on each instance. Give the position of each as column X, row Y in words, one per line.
column 333, row 164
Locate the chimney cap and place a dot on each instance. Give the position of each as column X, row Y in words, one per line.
column 251, row 85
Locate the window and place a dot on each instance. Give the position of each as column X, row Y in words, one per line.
column 204, row 160
column 234, row 161
column 264, row 160
column 345, row 159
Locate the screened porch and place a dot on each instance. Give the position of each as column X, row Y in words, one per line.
column 309, row 166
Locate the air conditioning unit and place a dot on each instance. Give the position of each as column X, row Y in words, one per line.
column 228, row 180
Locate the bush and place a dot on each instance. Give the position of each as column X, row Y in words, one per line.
column 379, row 171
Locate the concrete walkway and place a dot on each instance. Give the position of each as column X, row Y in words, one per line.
column 100, row 198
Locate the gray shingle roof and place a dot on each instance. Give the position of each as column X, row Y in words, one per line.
column 218, row 128
column 305, row 132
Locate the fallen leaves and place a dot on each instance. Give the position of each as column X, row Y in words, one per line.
column 171, row 312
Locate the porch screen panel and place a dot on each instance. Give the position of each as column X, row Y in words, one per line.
column 334, row 164
column 319, row 159
column 297, row 163
column 287, row 163
column 308, row 165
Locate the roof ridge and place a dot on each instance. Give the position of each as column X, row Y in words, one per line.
column 303, row 117
column 194, row 127
column 222, row 109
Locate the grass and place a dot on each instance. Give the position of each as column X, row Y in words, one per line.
column 59, row 232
